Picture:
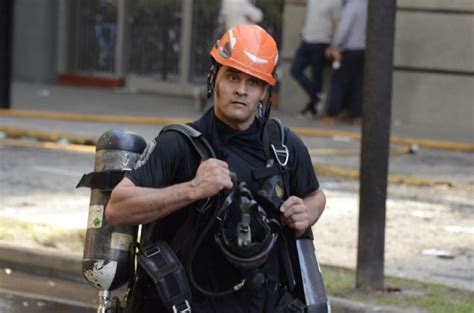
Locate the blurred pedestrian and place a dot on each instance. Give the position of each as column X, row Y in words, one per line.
column 105, row 32
column 347, row 50
column 237, row 12
column 320, row 22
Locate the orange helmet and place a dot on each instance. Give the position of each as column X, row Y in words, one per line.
column 249, row 49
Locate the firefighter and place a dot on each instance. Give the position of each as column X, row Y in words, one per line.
column 170, row 182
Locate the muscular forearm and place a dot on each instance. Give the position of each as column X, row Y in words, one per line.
column 130, row 204
column 315, row 202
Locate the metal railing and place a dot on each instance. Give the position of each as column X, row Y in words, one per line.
column 155, row 35
column 155, row 38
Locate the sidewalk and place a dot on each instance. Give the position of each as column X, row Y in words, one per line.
column 67, row 99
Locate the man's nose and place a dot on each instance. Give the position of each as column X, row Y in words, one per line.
column 241, row 88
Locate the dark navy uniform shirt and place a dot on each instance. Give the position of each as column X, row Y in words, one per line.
column 169, row 160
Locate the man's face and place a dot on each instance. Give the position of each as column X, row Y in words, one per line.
column 236, row 97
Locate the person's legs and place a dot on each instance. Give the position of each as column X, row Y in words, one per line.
column 355, row 66
column 302, row 60
column 318, row 60
column 356, row 85
column 338, row 90
column 99, row 28
column 110, row 41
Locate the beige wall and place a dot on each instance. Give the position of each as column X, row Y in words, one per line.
column 435, row 40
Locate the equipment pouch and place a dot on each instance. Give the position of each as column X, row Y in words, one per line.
column 164, row 268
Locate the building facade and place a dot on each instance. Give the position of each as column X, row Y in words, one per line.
column 162, row 46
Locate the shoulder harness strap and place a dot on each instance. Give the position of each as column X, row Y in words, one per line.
column 200, row 144
column 277, row 153
column 274, row 141
column 205, row 151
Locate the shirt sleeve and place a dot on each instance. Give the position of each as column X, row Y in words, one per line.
column 336, row 9
column 303, row 179
column 345, row 23
column 158, row 165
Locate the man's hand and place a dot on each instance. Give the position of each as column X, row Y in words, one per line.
column 295, row 215
column 333, row 53
column 212, row 176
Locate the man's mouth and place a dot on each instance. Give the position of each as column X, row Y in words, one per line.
column 239, row 103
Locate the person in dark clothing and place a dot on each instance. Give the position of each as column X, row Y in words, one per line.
column 170, row 178
column 105, row 32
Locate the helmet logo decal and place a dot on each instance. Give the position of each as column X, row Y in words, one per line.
column 254, row 58
column 232, row 39
column 226, row 51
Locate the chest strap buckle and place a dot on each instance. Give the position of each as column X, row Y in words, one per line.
column 281, row 154
column 182, row 307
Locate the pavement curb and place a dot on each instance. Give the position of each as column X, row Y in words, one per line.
column 13, row 132
column 53, row 263
column 43, row 261
column 310, row 132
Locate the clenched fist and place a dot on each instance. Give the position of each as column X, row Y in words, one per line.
column 212, row 176
column 295, row 215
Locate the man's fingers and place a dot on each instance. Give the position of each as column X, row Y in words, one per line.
column 212, row 176
column 219, row 163
column 294, row 209
column 300, row 225
column 295, row 218
column 289, row 203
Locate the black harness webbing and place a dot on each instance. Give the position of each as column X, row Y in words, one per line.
column 276, row 152
column 205, row 151
column 277, row 155
column 159, row 259
column 104, row 180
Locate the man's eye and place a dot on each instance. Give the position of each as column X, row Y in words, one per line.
column 253, row 82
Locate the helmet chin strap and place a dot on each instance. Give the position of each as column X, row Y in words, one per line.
column 265, row 109
column 211, row 77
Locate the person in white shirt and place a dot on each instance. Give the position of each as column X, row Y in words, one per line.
column 320, row 23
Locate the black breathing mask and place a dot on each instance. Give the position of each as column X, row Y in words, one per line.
column 244, row 233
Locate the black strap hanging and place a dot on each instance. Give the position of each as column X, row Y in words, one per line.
column 104, row 180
